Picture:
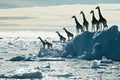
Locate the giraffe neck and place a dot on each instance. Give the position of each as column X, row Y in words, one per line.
column 84, row 17
column 41, row 40
column 76, row 21
column 93, row 17
column 66, row 31
column 58, row 33
column 99, row 12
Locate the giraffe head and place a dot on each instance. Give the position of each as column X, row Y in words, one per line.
column 73, row 16
column 97, row 7
column 64, row 28
column 57, row 32
column 81, row 12
column 45, row 40
column 91, row 11
column 39, row 37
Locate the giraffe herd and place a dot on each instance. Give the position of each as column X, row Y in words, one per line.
column 97, row 25
column 100, row 24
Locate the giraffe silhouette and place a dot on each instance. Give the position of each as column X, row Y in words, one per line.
column 95, row 22
column 62, row 39
column 85, row 22
column 69, row 34
column 102, row 20
column 78, row 25
column 43, row 42
column 49, row 45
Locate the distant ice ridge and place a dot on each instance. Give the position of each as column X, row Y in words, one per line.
column 94, row 45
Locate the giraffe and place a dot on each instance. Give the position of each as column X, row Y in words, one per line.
column 102, row 20
column 43, row 42
column 95, row 22
column 62, row 39
column 49, row 45
column 78, row 25
column 69, row 34
column 85, row 22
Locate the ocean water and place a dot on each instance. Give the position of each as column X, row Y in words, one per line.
column 68, row 69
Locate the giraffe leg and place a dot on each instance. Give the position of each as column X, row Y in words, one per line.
column 64, row 40
column 60, row 39
column 82, row 29
column 105, row 25
column 50, row 46
column 77, row 30
column 92, row 28
column 72, row 37
column 87, row 27
column 68, row 38
column 43, row 46
column 97, row 27
column 100, row 26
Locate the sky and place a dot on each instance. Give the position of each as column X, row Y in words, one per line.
column 53, row 15
column 31, row 3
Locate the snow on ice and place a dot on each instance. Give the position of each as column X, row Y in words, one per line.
column 22, row 73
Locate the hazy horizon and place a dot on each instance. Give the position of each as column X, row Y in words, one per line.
column 39, row 15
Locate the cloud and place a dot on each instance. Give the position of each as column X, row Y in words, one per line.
column 15, row 18
column 6, row 6
column 39, row 3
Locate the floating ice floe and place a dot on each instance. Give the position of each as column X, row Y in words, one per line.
column 62, row 75
column 28, row 75
column 30, row 57
column 105, row 60
column 97, row 64
column 52, row 59
column 94, row 64
column 103, row 64
column 115, row 67
column 18, row 58
column 44, row 69
column 23, row 49
column 23, row 74
column 47, row 66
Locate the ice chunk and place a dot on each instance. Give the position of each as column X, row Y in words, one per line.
column 18, row 58
column 28, row 75
column 52, row 59
column 105, row 60
column 94, row 45
column 94, row 64
column 22, row 73
column 62, row 75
